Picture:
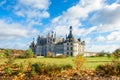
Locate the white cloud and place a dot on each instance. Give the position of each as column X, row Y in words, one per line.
column 108, row 18
column 15, row 35
column 114, row 36
column 14, row 30
column 88, row 40
column 32, row 10
column 90, row 30
column 100, row 38
column 62, row 31
column 39, row 4
column 14, row 44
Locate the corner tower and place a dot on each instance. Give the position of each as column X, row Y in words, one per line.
column 69, row 50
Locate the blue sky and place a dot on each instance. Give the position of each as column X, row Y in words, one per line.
column 95, row 21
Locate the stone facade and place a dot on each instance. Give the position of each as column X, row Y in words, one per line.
column 69, row 46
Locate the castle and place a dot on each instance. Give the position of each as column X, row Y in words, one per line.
column 69, row 46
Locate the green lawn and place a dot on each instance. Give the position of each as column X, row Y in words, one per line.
column 91, row 62
column 98, row 58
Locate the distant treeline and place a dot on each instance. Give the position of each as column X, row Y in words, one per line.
column 14, row 52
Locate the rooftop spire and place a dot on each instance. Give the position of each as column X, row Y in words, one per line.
column 70, row 27
column 70, row 34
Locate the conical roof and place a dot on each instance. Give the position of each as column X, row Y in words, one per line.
column 70, row 36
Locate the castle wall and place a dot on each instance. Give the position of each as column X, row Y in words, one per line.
column 59, row 49
column 38, row 50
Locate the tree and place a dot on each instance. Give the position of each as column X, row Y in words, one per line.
column 8, row 53
column 29, row 53
column 116, row 53
column 103, row 53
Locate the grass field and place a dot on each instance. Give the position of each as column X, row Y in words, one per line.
column 91, row 62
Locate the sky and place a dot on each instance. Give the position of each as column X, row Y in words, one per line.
column 97, row 22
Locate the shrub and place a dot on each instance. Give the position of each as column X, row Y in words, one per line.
column 65, row 67
column 37, row 67
column 69, row 66
column 15, row 65
column 79, row 61
column 9, row 65
column 33, row 71
column 49, row 54
column 21, row 68
column 10, row 61
column 8, row 70
column 109, row 69
column 2, row 55
column 42, row 68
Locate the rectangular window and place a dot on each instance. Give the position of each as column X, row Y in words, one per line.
column 71, row 54
column 67, row 48
column 67, row 43
column 67, row 53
